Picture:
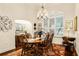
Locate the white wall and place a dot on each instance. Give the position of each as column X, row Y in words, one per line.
column 7, row 39
column 15, row 12
column 28, row 12
column 77, row 33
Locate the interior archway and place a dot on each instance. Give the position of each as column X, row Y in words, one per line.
column 22, row 26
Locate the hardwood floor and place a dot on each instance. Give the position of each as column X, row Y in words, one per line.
column 58, row 50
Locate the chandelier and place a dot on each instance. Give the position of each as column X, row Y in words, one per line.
column 42, row 14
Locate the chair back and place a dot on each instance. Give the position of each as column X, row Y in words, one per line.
column 51, row 38
column 23, row 39
column 65, row 39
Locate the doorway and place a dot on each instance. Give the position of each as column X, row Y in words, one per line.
column 21, row 26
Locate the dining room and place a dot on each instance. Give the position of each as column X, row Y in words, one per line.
column 39, row 29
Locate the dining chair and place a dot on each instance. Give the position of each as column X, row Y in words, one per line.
column 50, row 45
column 24, row 44
column 44, row 45
column 28, row 49
column 69, row 45
column 22, row 39
column 50, row 41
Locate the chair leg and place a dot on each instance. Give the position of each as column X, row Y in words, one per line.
column 22, row 52
column 51, row 47
column 44, row 52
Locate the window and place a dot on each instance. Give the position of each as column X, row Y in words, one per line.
column 54, row 24
column 59, row 25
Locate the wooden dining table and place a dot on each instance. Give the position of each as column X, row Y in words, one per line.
column 35, row 40
column 34, row 45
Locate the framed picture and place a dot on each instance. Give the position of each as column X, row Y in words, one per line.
column 68, row 25
column 75, row 23
column 5, row 23
column 34, row 24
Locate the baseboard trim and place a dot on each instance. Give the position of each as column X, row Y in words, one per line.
column 12, row 50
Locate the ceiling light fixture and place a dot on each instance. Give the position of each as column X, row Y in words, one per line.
column 42, row 13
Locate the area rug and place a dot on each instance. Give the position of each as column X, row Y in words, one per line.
column 58, row 50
